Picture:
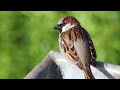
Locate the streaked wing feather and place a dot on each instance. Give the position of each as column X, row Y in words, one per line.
column 69, row 49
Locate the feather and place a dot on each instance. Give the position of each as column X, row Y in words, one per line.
column 77, row 48
column 90, row 46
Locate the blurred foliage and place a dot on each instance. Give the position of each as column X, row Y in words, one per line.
column 26, row 37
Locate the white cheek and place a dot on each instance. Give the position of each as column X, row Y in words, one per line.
column 67, row 27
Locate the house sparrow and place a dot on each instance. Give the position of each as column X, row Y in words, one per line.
column 76, row 45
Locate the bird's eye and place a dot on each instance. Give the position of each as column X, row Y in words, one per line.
column 62, row 24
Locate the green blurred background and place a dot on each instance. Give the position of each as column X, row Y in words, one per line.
column 26, row 37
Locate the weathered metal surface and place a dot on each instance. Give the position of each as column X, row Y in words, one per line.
column 54, row 66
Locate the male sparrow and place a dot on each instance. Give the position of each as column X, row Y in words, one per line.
column 76, row 45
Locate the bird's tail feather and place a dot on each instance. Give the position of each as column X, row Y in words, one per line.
column 88, row 74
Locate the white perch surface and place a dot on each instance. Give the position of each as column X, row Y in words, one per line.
column 70, row 71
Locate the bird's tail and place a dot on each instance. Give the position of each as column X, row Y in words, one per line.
column 88, row 74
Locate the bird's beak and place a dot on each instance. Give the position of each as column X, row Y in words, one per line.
column 59, row 26
column 56, row 27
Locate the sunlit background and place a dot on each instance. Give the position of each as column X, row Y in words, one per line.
column 26, row 37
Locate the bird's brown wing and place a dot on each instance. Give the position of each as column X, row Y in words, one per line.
column 68, row 40
column 90, row 46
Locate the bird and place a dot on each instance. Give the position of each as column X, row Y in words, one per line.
column 76, row 44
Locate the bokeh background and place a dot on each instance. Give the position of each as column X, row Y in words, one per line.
column 26, row 37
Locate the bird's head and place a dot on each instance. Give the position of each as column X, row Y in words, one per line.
column 66, row 23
